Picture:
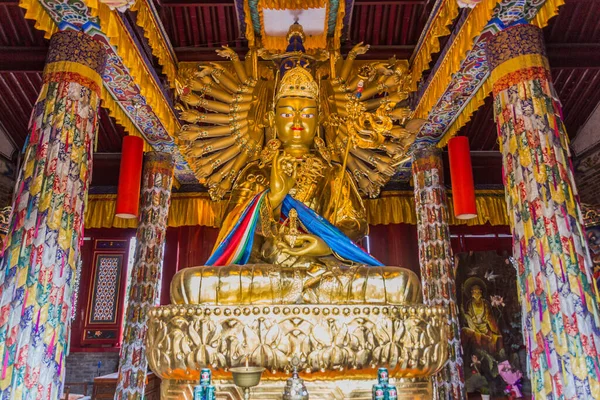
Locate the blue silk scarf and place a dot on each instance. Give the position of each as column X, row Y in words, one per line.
column 238, row 240
column 341, row 244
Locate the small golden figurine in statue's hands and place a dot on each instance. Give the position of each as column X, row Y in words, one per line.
column 293, row 243
column 313, row 246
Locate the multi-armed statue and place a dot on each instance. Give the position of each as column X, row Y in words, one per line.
column 286, row 277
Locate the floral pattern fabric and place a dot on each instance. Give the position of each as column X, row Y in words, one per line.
column 42, row 247
column 561, row 323
column 438, row 277
column 146, row 274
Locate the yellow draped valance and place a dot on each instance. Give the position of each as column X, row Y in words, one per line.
column 477, row 19
column 36, row 12
column 398, row 207
column 547, row 11
column 147, row 21
column 186, row 209
column 440, row 27
column 198, row 209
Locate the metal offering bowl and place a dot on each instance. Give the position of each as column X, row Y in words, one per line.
column 246, row 377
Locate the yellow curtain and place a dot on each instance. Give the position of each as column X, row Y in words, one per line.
column 463, row 42
column 398, row 207
column 395, row 207
column 185, row 209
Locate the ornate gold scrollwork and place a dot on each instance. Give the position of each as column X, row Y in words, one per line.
column 409, row 340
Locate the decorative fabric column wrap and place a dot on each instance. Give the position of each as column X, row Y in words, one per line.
column 41, row 250
column 157, row 180
column 560, row 313
column 435, row 259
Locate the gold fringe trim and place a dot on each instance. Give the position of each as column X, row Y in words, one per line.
column 280, row 42
column 119, row 38
column 467, row 112
column 146, row 20
column 431, row 43
column 249, row 25
column 476, row 21
column 185, row 209
column 547, row 11
column 38, row 13
column 396, row 207
column 339, row 24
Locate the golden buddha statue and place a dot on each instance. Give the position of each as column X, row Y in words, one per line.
column 288, row 262
column 286, row 278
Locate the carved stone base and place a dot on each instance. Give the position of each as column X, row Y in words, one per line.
column 318, row 390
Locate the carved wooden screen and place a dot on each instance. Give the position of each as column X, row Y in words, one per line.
column 105, row 300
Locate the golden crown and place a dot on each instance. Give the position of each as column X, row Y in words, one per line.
column 295, row 30
column 297, row 82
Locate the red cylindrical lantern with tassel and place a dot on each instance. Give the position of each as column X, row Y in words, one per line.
column 130, row 177
column 461, row 174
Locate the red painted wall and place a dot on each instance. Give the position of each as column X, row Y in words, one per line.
column 394, row 244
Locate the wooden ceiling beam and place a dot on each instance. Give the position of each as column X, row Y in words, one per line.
column 22, row 59
column 195, row 54
column 573, row 55
column 567, row 55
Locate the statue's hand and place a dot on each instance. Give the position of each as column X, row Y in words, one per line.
column 227, row 52
column 191, row 116
column 190, row 98
column 281, row 182
column 358, row 49
column 313, row 246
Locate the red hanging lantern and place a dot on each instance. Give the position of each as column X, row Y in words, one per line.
column 130, row 177
column 461, row 174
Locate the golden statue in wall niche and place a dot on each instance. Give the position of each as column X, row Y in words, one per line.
column 294, row 152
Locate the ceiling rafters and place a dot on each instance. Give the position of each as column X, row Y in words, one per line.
column 573, row 49
column 196, row 28
column 562, row 55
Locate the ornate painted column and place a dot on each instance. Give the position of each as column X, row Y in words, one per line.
column 554, row 269
column 435, row 259
column 157, row 179
column 41, row 249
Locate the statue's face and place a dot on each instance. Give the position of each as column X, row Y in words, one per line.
column 296, row 122
column 476, row 292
